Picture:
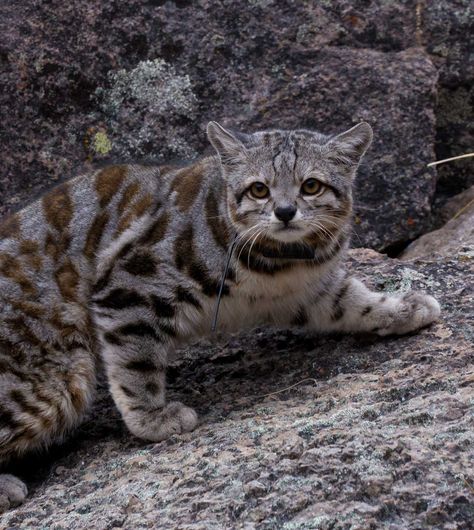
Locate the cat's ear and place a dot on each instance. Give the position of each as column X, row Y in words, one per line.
column 227, row 145
column 350, row 146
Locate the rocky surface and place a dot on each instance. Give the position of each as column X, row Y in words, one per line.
column 296, row 432
column 456, row 236
column 140, row 80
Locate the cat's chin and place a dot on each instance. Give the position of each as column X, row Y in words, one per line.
column 288, row 235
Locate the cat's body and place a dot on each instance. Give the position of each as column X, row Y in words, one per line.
column 124, row 265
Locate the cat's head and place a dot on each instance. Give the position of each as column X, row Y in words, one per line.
column 290, row 185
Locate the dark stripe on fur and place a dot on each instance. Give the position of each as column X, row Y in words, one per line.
column 182, row 295
column 167, row 329
column 7, row 419
column 185, row 258
column 301, row 317
column 162, row 307
column 127, row 392
column 141, row 365
column 139, row 329
column 216, row 223
column 94, row 235
column 337, row 310
column 30, row 408
column 140, row 264
column 112, row 338
column 157, row 230
column 121, row 299
column 152, row 388
column 103, row 281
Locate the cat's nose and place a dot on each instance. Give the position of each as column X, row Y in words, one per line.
column 285, row 213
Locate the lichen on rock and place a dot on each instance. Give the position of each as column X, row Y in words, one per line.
column 141, row 107
column 101, row 143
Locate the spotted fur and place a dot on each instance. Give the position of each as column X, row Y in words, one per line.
column 125, row 264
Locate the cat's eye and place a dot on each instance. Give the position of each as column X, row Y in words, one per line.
column 259, row 190
column 312, row 187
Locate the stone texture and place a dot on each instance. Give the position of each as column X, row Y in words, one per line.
column 140, row 80
column 456, row 237
column 373, row 433
column 457, row 203
column 446, row 28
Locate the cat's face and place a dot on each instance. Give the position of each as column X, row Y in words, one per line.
column 289, row 186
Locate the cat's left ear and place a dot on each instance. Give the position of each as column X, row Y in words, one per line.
column 228, row 146
column 350, row 146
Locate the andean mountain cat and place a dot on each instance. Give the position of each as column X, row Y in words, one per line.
column 121, row 266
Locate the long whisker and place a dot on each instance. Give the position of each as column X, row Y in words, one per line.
column 251, row 246
column 325, row 231
column 255, row 228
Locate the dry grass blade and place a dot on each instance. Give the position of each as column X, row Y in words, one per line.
column 287, row 388
column 467, row 155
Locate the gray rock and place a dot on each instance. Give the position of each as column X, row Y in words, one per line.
column 378, row 434
column 456, row 204
column 456, row 237
column 446, row 29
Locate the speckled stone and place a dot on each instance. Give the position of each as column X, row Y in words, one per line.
column 377, row 434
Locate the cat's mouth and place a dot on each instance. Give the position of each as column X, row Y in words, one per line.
column 288, row 233
column 287, row 228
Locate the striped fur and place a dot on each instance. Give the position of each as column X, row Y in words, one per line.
column 124, row 265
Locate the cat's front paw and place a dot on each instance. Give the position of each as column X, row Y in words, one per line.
column 12, row 492
column 159, row 424
column 413, row 311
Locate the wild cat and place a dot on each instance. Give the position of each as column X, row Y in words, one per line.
column 122, row 266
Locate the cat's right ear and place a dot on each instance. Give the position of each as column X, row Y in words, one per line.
column 228, row 147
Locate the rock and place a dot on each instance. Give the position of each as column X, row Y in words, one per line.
column 380, row 439
column 443, row 26
column 457, row 203
column 140, row 80
column 455, row 238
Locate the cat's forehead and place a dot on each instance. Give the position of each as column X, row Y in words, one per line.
column 287, row 139
column 283, row 153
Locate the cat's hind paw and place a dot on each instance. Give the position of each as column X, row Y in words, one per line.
column 12, row 492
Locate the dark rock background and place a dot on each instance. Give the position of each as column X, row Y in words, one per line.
column 91, row 81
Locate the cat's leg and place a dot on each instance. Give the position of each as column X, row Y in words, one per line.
column 352, row 307
column 135, row 359
column 39, row 402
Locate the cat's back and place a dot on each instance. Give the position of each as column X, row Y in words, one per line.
column 49, row 250
column 78, row 216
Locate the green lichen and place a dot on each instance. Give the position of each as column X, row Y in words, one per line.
column 144, row 109
column 404, row 280
column 153, row 85
column 101, row 143
column 307, row 431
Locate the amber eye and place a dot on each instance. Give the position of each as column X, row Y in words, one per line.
column 312, row 187
column 259, row 190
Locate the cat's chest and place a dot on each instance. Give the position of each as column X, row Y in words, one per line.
column 257, row 298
